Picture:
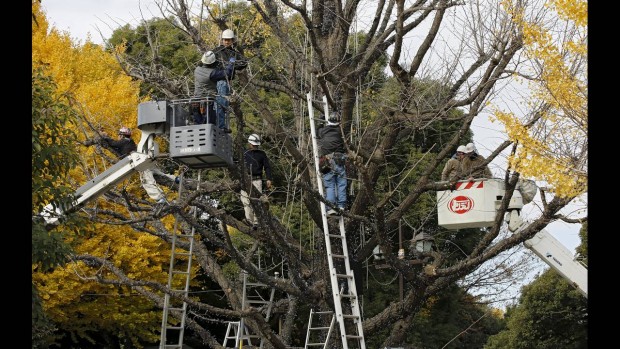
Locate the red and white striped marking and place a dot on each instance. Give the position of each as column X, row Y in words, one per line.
column 469, row 185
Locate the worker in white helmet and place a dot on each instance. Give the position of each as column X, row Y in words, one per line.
column 207, row 74
column 471, row 164
column 258, row 167
column 226, row 53
column 123, row 145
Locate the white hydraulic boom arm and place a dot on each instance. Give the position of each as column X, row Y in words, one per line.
column 553, row 252
column 558, row 257
column 136, row 161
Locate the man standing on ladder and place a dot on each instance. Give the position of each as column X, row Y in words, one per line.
column 333, row 153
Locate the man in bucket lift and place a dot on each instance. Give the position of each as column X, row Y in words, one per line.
column 470, row 165
column 125, row 145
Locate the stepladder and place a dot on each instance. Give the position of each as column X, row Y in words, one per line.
column 239, row 334
column 257, row 295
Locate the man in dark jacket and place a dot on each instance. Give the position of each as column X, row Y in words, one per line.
column 206, row 76
column 227, row 53
column 256, row 162
column 123, row 146
column 331, row 146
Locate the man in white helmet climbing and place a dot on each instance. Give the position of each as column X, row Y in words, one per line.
column 226, row 53
column 256, row 163
column 206, row 76
column 332, row 150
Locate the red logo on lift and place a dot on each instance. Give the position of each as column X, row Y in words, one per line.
column 460, row 204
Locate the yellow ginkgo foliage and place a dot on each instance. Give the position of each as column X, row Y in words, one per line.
column 554, row 149
column 105, row 98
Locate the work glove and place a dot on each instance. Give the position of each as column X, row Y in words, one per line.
column 230, row 71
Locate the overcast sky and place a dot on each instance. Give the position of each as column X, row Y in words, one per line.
column 100, row 18
column 96, row 17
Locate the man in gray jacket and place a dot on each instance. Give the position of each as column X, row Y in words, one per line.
column 206, row 76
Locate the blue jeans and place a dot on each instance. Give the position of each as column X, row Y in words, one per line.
column 221, row 101
column 335, row 182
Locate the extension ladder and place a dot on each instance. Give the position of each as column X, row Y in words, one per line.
column 170, row 330
column 346, row 302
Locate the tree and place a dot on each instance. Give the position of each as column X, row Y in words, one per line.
column 316, row 49
column 52, row 157
column 75, row 91
column 557, row 81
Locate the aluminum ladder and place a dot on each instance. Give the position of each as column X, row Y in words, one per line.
column 314, row 337
column 233, row 332
column 253, row 296
column 171, row 329
column 346, row 302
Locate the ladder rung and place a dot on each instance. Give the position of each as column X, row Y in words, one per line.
column 347, row 295
column 319, row 328
column 339, row 256
column 174, row 327
column 314, row 344
column 182, row 253
column 351, row 336
column 344, row 276
column 180, row 272
column 255, row 284
column 187, row 236
column 335, row 236
column 259, row 302
column 350, row 316
column 323, row 312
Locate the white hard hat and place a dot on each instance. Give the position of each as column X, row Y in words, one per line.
column 461, row 149
column 208, row 57
column 254, row 139
column 124, row 131
column 470, row 147
column 334, row 118
column 228, row 34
